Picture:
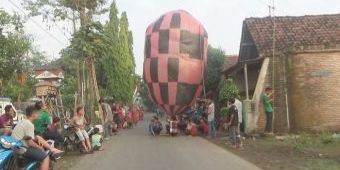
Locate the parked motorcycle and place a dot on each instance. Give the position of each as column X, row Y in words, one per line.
column 12, row 155
column 72, row 142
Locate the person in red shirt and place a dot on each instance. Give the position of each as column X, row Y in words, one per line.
column 135, row 115
column 203, row 127
column 141, row 114
column 191, row 128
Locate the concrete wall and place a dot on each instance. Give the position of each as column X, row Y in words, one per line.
column 314, row 79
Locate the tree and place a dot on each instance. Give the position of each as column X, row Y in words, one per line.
column 14, row 47
column 228, row 90
column 69, row 86
column 107, row 65
column 146, row 100
column 216, row 57
column 89, row 41
column 127, row 65
column 118, row 63
column 57, row 10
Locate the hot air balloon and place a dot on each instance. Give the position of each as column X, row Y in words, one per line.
column 174, row 58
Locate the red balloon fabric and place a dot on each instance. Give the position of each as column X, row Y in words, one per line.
column 175, row 55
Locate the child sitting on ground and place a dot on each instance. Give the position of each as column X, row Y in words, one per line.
column 97, row 140
column 191, row 128
column 173, row 126
column 203, row 127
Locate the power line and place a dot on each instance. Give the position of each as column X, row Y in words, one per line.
column 271, row 8
column 60, row 30
column 51, row 35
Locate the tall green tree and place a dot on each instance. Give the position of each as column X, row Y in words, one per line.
column 14, row 47
column 107, row 65
column 120, row 81
column 215, row 64
column 213, row 77
column 127, row 59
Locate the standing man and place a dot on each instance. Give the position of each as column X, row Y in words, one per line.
column 211, row 119
column 6, row 120
column 108, row 118
column 233, row 123
column 238, row 105
column 268, row 108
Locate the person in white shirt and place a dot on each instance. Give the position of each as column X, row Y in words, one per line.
column 211, row 119
column 239, row 107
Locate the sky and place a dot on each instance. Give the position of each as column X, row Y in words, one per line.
column 221, row 18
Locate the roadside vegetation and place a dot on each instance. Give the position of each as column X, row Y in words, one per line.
column 303, row 151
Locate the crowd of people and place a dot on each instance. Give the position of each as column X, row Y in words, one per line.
column 40, row 126
column 206, row 126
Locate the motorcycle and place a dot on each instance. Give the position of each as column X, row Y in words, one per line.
column 12, row 155
column 72, row 142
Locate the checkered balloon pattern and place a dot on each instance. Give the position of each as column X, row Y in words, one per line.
column 175, row 55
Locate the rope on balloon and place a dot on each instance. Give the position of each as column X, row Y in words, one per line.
column 203, row 65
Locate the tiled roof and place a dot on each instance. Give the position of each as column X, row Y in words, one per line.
column 313, row 32
column 230, row 61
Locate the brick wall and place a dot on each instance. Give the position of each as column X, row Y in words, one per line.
column 279, row 104
column 314, row 92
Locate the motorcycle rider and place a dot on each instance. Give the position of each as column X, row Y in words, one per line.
column 36, row 146
column 44, row 119
column 79, row 122
column 42, row 124
column 6, row 120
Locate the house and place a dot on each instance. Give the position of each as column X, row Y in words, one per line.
column 300, row 60
column 52, row 74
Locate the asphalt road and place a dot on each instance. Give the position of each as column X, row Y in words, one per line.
column 136, row 150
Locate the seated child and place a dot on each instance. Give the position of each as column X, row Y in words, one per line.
column 114, row 128
column 182, row 125
column 155, row 126
column 97, row 140
column 173, row 126
column 191, row 128
column 203, row 127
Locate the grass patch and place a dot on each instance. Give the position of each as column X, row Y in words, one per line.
column 322, row 164
column 306, row 141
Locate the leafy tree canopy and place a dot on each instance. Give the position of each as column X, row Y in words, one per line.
column 214, row 67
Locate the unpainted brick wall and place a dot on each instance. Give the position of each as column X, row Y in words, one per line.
column 314, row 91
column 280, row 114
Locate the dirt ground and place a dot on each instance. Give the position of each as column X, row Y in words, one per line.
column 267, row 153
column 67, row 161
column 270, row 153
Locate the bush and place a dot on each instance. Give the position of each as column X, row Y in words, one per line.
column 224, row 112
column 228, row 90
column 305, row 140
column 326, row 138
